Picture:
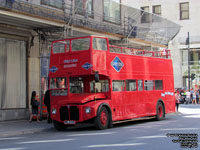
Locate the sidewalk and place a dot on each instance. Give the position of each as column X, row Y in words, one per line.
column 20, row 127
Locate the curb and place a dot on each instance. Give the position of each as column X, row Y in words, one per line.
column 17, row 133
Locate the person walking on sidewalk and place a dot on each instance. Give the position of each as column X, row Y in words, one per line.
column 177, row 97
column 187, row 97
column 197, row 96
column 48, row 104
column 34, row 103
column 194, row 100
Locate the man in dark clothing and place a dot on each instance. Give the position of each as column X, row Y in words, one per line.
column 48, row 104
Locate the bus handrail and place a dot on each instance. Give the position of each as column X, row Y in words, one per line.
column 130, row 51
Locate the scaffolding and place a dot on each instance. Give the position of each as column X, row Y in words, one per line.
column 135, row 24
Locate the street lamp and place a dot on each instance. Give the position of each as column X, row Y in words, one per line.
column 188, row 43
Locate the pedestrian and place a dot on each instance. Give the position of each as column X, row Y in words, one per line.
column 34, row 103
column 191, row 95
column 197, row 97
column 48, row 104
column 177, row 97
column 194, row 100
column 187, row 97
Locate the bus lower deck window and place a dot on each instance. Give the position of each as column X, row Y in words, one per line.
column 118, row 85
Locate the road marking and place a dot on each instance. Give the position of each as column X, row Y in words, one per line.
column 12, row 138
column 176, row 129
column 91, row 134
column 150, row 137
column 191, row 111
column 192, row 116
column 46, row 141
column 12, row 148
column 142, row 126
column 113, row 145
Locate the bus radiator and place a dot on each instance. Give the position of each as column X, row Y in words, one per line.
column 69, row 113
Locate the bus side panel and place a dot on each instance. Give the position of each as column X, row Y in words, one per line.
column 169, row 95
column 131, row 102
column 118, row 105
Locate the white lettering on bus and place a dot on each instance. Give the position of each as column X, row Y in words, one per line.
column 167, row 93
column 70, row 61
column 70, row 65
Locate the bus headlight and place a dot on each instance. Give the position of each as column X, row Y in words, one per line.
column 88, row 110
column 53, row 111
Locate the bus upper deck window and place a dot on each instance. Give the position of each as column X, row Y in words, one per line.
column 60, row 47
column 80, row 44
column 99, row 44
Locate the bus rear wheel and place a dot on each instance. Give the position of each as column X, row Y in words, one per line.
column 59, row 126
column 160, row 112
column 102, row 119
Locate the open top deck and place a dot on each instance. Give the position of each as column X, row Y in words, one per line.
column 101, row 43
column 87, row 55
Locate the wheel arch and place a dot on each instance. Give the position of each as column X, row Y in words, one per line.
column 161, row 101
column 106, row 105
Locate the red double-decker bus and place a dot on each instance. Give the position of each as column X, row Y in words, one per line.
column 92, row 81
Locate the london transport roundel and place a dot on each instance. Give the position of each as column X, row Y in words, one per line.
column 117, row 64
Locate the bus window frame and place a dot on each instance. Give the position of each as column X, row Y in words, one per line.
column 155, row 85
column 136, row 89
column 71, row 41
column 138, row 85
column 66, row 83
column 107, row 46
column 124, row 86
column 148, row 83
column 65, row 51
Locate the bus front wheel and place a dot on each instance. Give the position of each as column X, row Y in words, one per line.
column 102, row 119
column 160, row 112
column 59, row 126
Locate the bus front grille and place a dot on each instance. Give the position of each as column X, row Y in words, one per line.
column 74, row 113
column 71, row 114
column 64, row 114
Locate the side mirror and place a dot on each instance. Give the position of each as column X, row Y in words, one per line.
column 96, row 76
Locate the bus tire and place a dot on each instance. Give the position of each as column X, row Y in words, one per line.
column 160, row 111
column 59, row 126
column 102, row 119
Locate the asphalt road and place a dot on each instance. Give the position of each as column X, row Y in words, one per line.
column 168, row 134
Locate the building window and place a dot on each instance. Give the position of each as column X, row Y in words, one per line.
column 157, row 10
column 13, row 83
column 194, row 66
column 84, row 7
column 145, row 17
column 53, row 3
column 112, row 11
column 184, row 11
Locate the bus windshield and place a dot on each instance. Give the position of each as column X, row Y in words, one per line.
column 58, row 85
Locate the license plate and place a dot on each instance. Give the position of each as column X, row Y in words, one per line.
column 69, row 122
